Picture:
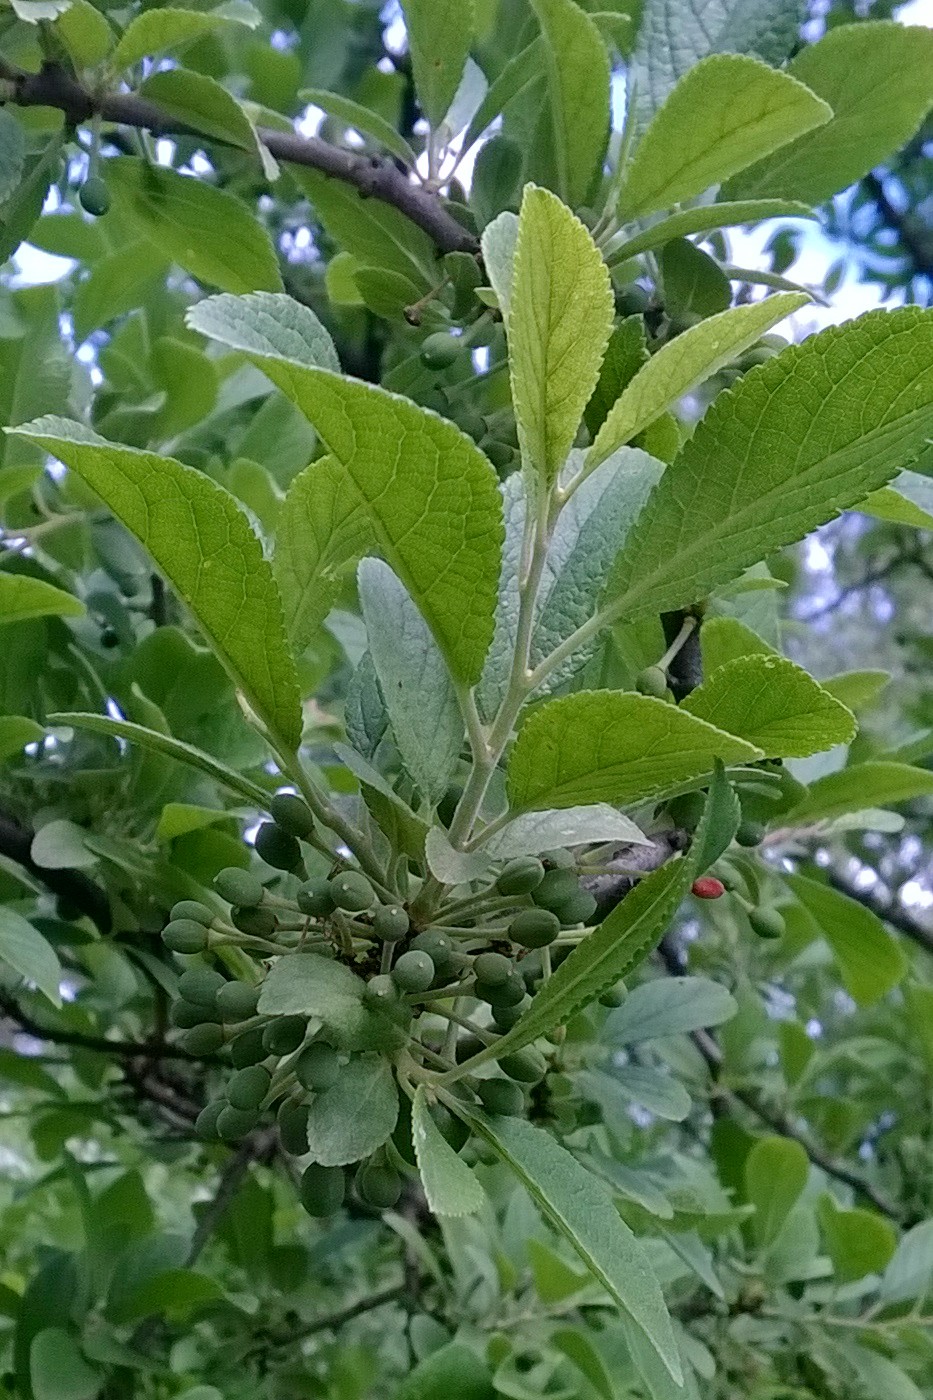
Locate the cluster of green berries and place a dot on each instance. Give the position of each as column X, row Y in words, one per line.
column 764, row 920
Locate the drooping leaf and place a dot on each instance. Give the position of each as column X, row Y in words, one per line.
column 355, row 1115
column 878, row 80
column 204, row 544
column 797, row 454
column 450, row 1187
column 579, row 1209
column 871, row 960
column 776, row 1172
column 615, row 747
column 683, row 363
column 430, row 494
column 535, row 832
column 577, row 65
column 23, row 205
column 724, row 113
column 560, row 318
column 22, row 596
column 203, row 104
column 25, row 950
column 362, row 119
column 439, row 37
column 669, row 1006
column 775, row 705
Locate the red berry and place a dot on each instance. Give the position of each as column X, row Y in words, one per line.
column 708, row 887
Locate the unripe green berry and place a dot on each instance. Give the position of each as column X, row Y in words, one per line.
column 528, row 1066
column 558, row 859
column 317, row 1067
column 505, row 1017
column 379, row 1186
column 632, row 300
column 192, row 909
column 534, row 928
column 322, row 1189
column 187, row 1014
column 185, row 936
column 467, row 1047
column 382, row 991
column 438, row 351
column 390, row 923
column 200, row 985
column 508, row 993
column 235, row 1123
column 352, row 892
column 520, row 876
column 237, row 1001
column 614, row 997
column 239, row 887
column 205, row 1125
column 750, row 833
column 292, row 1121
column 94, row 196
column 578, row 909
column 277, row 847
column 258, row 923
column 205, row 1039
column 502, row 1097
column 438, row 948
column 452, row 1129
column 414, row 972
column 249, row 1047
column 652, row 681
column 492, row 969
column 767, row 923
column 284, row 1034
column 499, row 453
column 248, row 1088
column 555, row 889
column 686, row 810
column 314, row 898
column 292, row 814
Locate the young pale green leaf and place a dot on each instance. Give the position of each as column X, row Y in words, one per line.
column 775, row 705
column 168, row 30
column 61, row 845
column 577, row 65
column 362, row 119
column 430, row 494
column 776, row 1172
column 683, row 363
column 365, row 716
column 560, row 318
column 797, row 441
column 859, row 1242
column 871, row 961
column 857, row 689
column 499, row 242
column 907, row 501
column 323, row 530
column 615, row 747
column 450, row 865
column 168, row 747
column 876, row 783
column 355, row 1115
column 439, row 36
column 878, row 79
column 702, row 218
column 22, row 596
column 322, row 989
column 582, row 1211
column 85, row 33
column 204, row 544
column 206, row 230
column 419, row 694
column 25, row 950
column 534, row 832
column 669, row 1006
column 725, row 639
column 407, row 831
column 723, row 115
column 450, row 1187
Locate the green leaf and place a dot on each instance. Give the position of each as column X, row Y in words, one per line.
column 776, row 1172
column 19, row 212
column 669, row 1006
column 174, row 1291
column 560, row 318
column 576, row 1345
column 28, row 953
column 580, row 1209
column 452, row 1370
column 355, row 1116
column 57, row 1369
column 22, row 596
column 407, row 831
column 577, row 66
column 908, row 501
column 61, row 845
column 168, row 747
column 878, row 79
column 798, row 454
column 85, row 33
column 725, row 113
column 615, row 747
column 323, row 530
column 378, row 235
column 775, row 705
column 202, row 103
column 877, row 783
column 12, row 152
column 859, row 1242
column 450, row 1187
column 206, row 230
column 871, row 961
column 523, row 68
column 725, row 639
column 430, row 494
column 420, row 697
column 167, row 30
column 910, row 1272
column 683, row 363
column 362, row 119
column 703, row 218
column 204, row 544
column 857, row 689
column 16, row 731
column 450, row 865
column 117, row 283
column 695, row 286
column 721, row 818
column 674, row 35
column 534, row 832
column 327, row 992
column 439, row 37
column 499, row 242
